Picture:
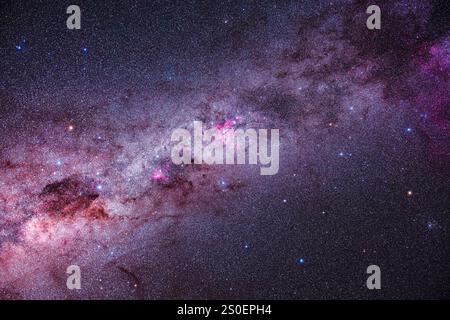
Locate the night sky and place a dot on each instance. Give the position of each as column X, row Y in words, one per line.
column 86, row 177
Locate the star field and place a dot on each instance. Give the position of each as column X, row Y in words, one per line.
column 86, row 176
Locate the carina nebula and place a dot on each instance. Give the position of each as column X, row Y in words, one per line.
column 87, row 179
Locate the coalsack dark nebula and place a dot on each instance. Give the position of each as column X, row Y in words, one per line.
column 86, row 177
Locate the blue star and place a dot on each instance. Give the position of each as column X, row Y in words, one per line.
column 301, row 261
column 21, row 45
column 344, row 154
column 408, row 130
column 222, row 184
column 85, row 50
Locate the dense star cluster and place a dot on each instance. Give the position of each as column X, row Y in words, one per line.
column 86, row 177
